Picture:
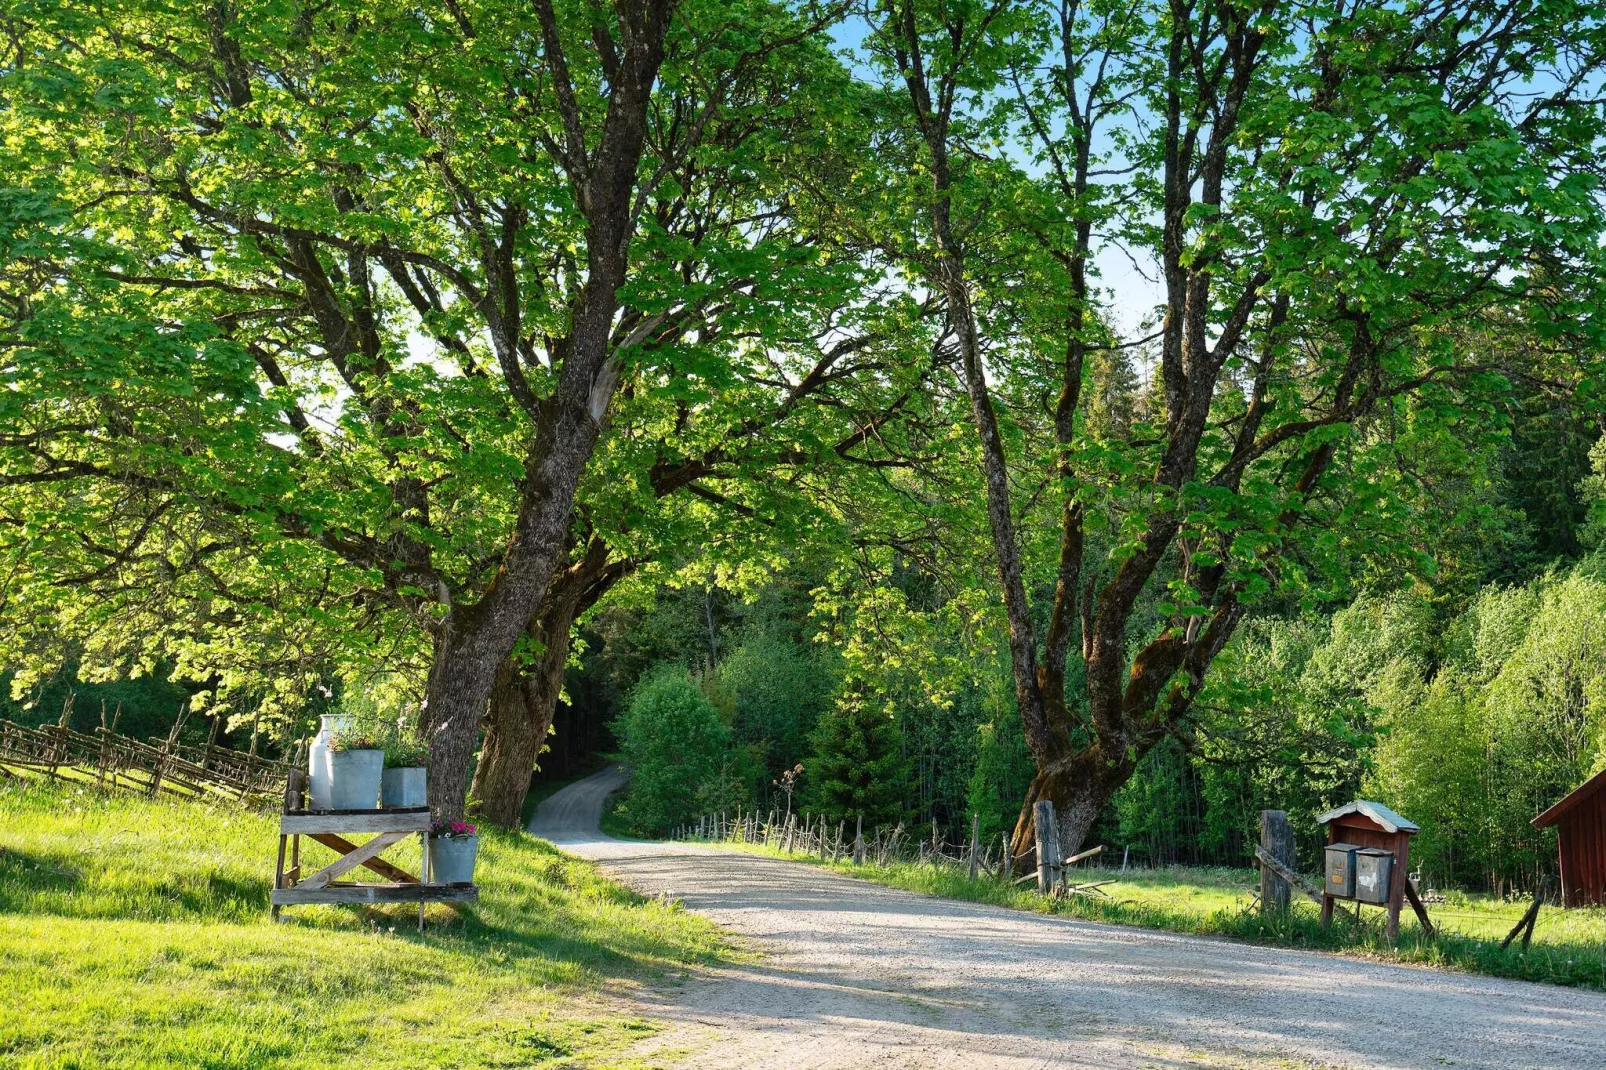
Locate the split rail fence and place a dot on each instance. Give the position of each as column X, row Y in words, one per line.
column 117, row 762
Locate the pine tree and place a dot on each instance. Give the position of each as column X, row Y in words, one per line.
column 859, row 768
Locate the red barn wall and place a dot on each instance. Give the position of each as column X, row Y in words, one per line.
column 1582, row 840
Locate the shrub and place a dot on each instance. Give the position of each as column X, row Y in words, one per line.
column 674, row 743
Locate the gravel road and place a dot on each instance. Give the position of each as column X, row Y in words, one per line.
column 853, row 975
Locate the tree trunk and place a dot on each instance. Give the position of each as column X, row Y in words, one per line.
column 525, row 698
column 472, row 642
column 1079, row 787
column 520, row 716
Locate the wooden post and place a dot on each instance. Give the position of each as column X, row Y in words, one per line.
column 211, row 742
column 103, row 758
column 292, row 803
column 1048, row 848
column 58, row 750
column 975, row 838
column 1525, row 924
column 1397, row 883
column 1006, row 865
column 423, row 873
column 1277, row 840
column 858, row 841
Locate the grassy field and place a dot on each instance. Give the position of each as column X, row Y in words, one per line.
column 135, row 933
column 1569, row 947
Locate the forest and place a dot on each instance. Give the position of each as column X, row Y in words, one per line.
column 905, row 410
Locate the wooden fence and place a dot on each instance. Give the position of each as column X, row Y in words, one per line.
column 117, row 762
column 809, row 835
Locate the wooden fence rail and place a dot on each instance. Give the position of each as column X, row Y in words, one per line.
column 119, row 762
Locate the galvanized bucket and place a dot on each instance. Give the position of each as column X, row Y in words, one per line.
column 451, row 859
column 403, row 787
column 354, row 779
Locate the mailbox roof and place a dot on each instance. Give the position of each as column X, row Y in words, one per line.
column 1390, row 821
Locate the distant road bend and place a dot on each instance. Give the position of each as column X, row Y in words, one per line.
column 854, row 975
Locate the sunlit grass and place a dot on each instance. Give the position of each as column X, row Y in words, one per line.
column 1568, row 948
column 135, row 933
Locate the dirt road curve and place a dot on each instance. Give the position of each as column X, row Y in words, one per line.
column 857, row 976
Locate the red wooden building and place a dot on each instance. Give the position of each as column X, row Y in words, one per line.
column 1580, row 821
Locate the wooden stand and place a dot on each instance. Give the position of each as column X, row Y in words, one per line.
column 327, row 827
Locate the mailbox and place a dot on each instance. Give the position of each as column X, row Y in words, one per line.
column 1366, row 843
column 1374, row 866
column 1341, row 870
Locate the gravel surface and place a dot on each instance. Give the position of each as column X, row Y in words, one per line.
column 851, row 975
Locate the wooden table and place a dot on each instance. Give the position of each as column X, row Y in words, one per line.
column 330, row 828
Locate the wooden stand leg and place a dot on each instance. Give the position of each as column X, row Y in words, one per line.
column 1327, row 911
column 278, row 876
column 423, row 873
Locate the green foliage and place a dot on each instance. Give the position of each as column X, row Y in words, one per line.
column 778, row 690
column 1002, row 769
column 143, row 707
column 676, row 747
column 858, row 768
column 135, row 933
column 403, row 750
column 1513, row 720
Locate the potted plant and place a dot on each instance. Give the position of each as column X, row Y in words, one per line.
column 403, row 783
column 356, row 760
column 453, row 846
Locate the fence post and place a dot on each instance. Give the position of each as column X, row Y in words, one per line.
column 858, row 841
column 975, row 838
column 211, row 742
column 1048, row 845
column 1277, row 840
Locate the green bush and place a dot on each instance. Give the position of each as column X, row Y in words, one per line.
column 675, row 745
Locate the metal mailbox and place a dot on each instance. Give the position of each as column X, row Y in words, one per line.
column 1341, row 870
column 1366, row 844
column 1374, row 867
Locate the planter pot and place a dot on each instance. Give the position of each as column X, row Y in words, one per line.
column 451, row 859
column 403, row 787
column 354, row 779
column 318, row 760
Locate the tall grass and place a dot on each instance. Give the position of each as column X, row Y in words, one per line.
column 135, row 933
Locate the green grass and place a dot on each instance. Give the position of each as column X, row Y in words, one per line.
column 1569, row 946
column 135, row 933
